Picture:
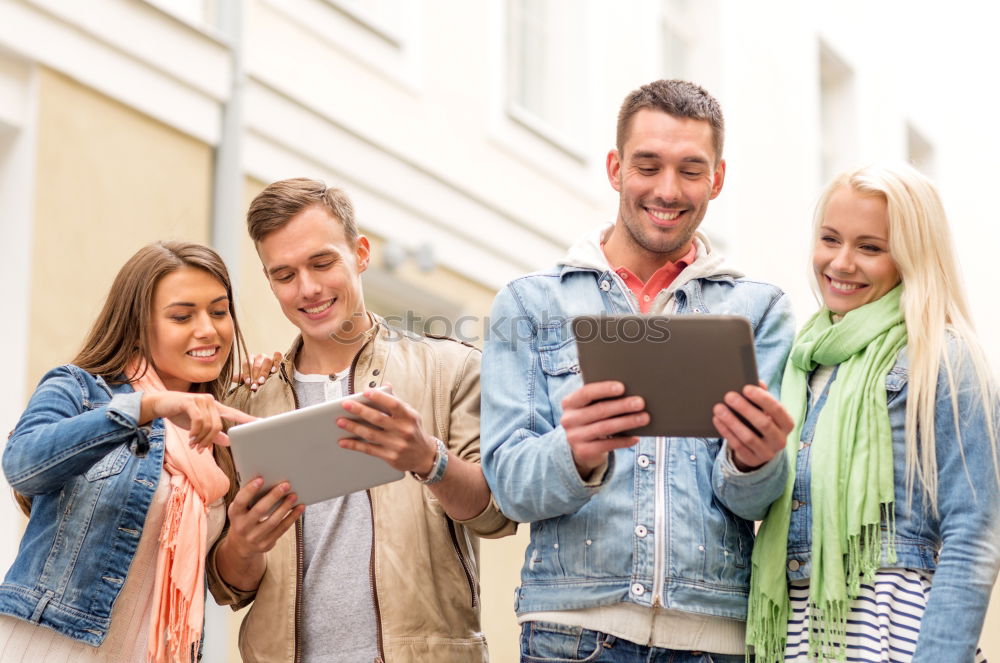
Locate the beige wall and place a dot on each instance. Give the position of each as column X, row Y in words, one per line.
column 263, row 324
column 990, row 640
column 108, row 181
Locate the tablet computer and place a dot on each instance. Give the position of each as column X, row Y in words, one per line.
column 301, row 447
column 681, row 365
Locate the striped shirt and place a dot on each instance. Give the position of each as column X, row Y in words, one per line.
column 883, row 622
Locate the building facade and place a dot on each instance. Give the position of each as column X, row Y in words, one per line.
column 472, row 137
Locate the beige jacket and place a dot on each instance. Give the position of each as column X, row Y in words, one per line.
column 425, row 566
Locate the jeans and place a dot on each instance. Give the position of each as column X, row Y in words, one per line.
column 543, row 642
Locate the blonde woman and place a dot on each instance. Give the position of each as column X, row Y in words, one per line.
column 117, row 460
column 886, row 542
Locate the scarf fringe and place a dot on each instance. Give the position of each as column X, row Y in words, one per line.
column 179, row 638
column 174, row 510
column 766, row 629
column 180, row 643
column 828, row 623
column 864, row 550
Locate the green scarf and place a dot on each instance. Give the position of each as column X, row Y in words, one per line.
column 851, row 483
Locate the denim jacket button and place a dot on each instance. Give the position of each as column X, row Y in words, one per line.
column 643, row 461
column 793, row 565
column 605, row 285
column 641, row 531
column 638, row 589
column 796, row 505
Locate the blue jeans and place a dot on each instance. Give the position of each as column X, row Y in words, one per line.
column 543, row 642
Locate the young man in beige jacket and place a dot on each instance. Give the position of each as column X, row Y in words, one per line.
column 389, row 574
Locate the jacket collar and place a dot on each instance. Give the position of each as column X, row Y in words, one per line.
column 373, row 354
column 588, row 255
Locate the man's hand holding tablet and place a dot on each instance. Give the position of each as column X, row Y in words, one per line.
column 595, row 416
column 390, row 430
column 682, row 376
column 752, row 448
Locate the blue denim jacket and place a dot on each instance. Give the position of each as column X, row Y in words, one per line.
column 598, row 544
column 961, row 544
column 91, row 473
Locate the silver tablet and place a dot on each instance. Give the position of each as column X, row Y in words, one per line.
column 301, row 447
column 681, row 365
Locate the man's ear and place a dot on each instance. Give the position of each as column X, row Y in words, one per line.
column 614, row 166
column 718, row 178
column 362, row 252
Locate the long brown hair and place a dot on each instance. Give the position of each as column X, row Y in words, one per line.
column 121, row 330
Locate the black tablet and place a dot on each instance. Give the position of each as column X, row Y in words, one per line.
column 681, row 365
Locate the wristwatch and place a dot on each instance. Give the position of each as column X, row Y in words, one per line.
column 438, row 468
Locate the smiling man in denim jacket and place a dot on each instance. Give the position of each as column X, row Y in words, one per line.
column 640, row 547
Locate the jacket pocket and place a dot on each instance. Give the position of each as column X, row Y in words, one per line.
column 895, row 380
column 560, row 359
column 111, row 464
column 543, row 642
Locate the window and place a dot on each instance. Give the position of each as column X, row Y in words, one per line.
column 677, row 35
column 380, row 34
column 203, row 13
column 919, row 151
column 546, row 64
column 838, row 114
column 381, row 17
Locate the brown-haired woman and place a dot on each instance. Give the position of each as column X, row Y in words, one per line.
column 110, row 460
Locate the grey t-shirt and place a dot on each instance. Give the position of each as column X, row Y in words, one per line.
column 338, row 613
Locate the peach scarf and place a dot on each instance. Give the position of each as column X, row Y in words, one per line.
column 179, row 591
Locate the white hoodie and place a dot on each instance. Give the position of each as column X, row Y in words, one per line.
column 588, row 253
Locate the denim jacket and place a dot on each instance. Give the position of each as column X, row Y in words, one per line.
column 669, row 522
column 91, row 473
column 961, row 544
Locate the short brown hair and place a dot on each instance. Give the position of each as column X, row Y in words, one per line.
column 681, row 99
column 280, row 201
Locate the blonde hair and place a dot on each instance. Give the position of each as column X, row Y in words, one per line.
column 934, row 308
